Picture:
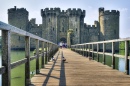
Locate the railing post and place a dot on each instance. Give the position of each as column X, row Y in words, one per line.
column 113, row 58
column 83, row 50
column 92, row 52
column 27, row 64
column 43, row 59
column 126, row 57
column 37, row 53
column 103, row 53
column 50, row 51
column 46, row 52
column 97, row 52
column 88, row 50
column 6, row 77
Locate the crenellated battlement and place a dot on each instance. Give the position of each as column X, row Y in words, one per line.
column 108, row 12
column 91, row 26
column 18, row 10
column 96, row 23
column 47, row 11
column 75, row 11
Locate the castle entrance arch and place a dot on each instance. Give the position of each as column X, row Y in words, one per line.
column 63, row 40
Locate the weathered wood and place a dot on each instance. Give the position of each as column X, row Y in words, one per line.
column 4, row 26
column 33, row 57
column 6, row 66
column 103, row 53
column 27, row 64
column 2, row 70
column 37, row 59
column 113, row 58
column 17, row 63
column 92, row 52
column 79, row 71
column 126, row 57
column 97, row 52
column 46, row 53
column 42, row 63
column 6, row 48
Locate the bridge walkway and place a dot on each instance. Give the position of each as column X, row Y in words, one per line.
column 78, row 71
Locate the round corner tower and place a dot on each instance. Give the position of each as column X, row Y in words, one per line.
column 109, row 25
column 18, row 17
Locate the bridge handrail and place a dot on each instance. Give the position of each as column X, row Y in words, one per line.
column 107, row 41
column 50, row 49
column 89, row 48
column 4, row 26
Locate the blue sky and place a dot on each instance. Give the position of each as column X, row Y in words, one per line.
column 91, row 7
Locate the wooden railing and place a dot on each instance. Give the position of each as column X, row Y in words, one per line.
column 87, row 48
column 50, row 49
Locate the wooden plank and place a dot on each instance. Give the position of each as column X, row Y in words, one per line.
column 27, row 64
column 17, row 63
column 43, row 60
column 78, row 71
column 6, row 77
column 126, row 57
column 113, row 58
column 37, row 54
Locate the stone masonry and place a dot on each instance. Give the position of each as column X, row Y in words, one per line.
column 56, row 23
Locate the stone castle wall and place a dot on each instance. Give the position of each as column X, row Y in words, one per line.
column 109, row 26
column 56, row 23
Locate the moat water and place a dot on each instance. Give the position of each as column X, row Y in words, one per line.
column 18, row 73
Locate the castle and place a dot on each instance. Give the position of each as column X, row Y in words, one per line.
column 57, row 23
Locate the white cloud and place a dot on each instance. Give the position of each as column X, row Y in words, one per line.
column 123, row 9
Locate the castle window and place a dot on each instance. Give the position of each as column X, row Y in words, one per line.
column 76, row 29
column 53, row 29
column 49, row 19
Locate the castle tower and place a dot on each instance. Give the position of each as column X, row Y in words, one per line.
column 63, row 26
column 109, row 25
column 49, row 21
column 76, row 23
column 19, row 18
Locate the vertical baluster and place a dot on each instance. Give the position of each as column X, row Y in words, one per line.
column 92, row 51
column 103, row 53
column 27, row 64
column 97, row 52
column 37, row 59
column 113, row 58
column 126, row 57
column 43, row 59
column 46, row 52
column 6, row 51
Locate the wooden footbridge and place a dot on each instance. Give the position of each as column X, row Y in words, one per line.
column 78, row 70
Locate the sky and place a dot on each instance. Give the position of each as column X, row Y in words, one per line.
column 90, row 6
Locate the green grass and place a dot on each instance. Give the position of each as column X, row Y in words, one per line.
column 18, row 73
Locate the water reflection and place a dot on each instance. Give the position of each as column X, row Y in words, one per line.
column 121, row 64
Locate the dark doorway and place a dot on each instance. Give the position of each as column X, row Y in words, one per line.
column 63, row 40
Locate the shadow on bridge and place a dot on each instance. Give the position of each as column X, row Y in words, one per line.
column 62, row 73
column 61, row 79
